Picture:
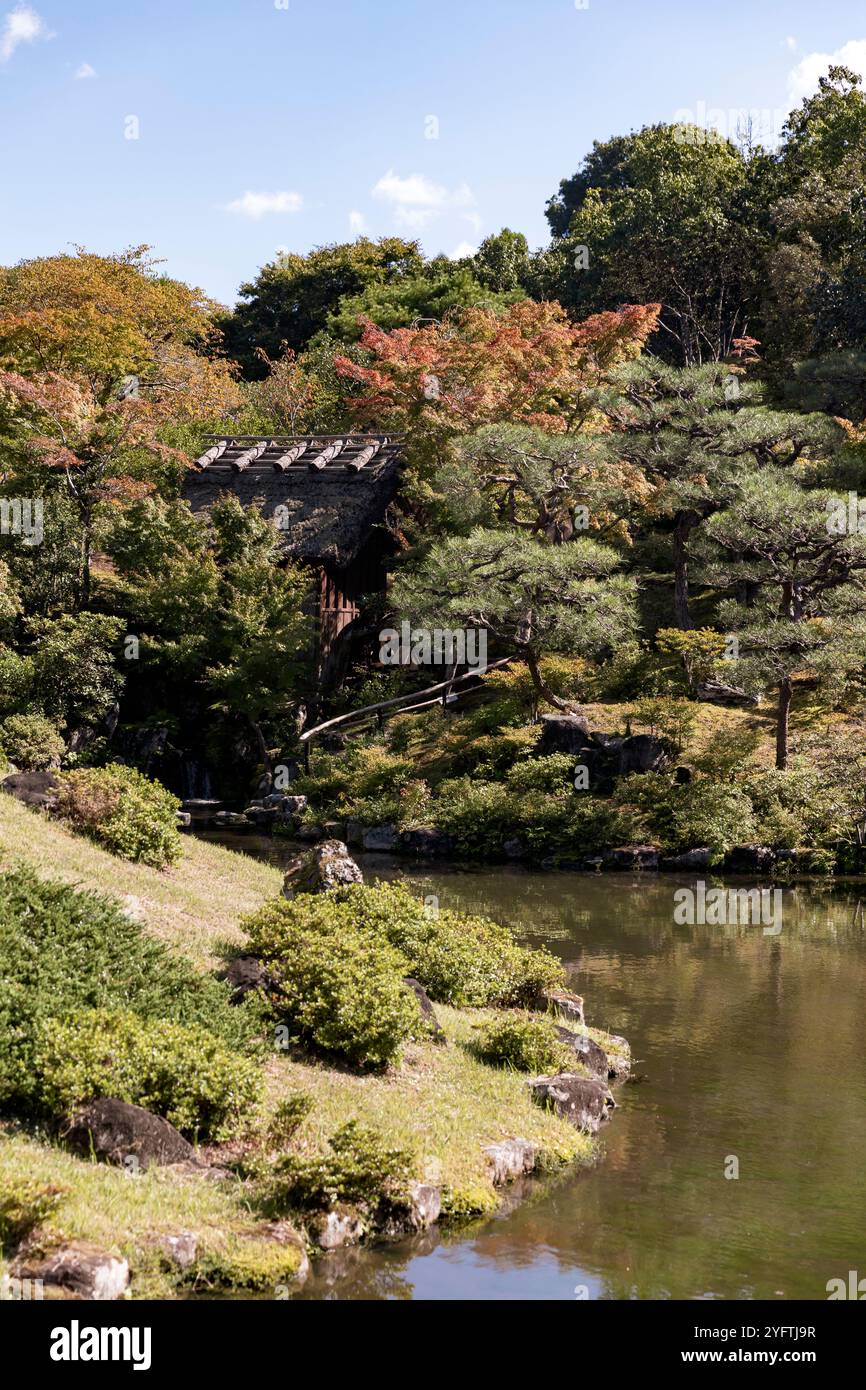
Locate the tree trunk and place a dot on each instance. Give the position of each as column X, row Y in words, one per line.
column 84, row 584
column 685, row 523
column 263, row 749
column 784, row 710
column 541, row 685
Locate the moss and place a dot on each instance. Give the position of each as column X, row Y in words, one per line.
column 258, row 1264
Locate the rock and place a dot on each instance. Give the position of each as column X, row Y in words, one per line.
column 284, row 1233
column 420, row 1210
column 691, row 859
column 354, row 833
column 180, row 1249
column 261, row 816
column 624, row 857
column 36, row 789
column 587, row 1050
column 310, row 830
column 582, row 1101
column 718, row 694
column 683, row 775
column 511, row 1159
column 749, row 859
column 383, row 839
column 562, row 733
column 514, row 848
column 426, row 841
column 331, row 1229
column 560, row 1002
column 244, row 974
column 117, row 1132
column 643, row 753
column 183, row 820
column 80, row 1269
column 231, row 820
column 428, row 1013
column 292, row 805
column 619, row 1063
column 328, row 866
column 200, row 810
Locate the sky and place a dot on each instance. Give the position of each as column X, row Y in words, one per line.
column 223, row 131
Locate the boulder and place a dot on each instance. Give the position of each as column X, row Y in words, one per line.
column 382, row 839
column 560, row 1002
column 419, row 1210
column 244, row 974
column 586, row 1050
column 642, row 753
column 749, row 859
column 691, row 859
column 332, row 1229
column 328, row 866
column 425, row 841
column 428, row 1013
column 511, row 1159
column 183, row 820
column 619, row 1062
column 180, row 1249
column 231, row 820
column 579, row 1099
column 117, row 1132
column 562, row 733
column 683, row 776
column 354, row 834
column 78, row 1270
column 718, row 694
column 514, row 848
column 311, row 831
column 36, row 789
column 625, row 857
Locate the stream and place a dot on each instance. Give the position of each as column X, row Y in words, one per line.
column 748, row 1056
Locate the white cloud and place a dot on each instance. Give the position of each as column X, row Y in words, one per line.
column 416, row 200
column 790, row 43
column 357, row 223
column 803, row 79
column 23, row 25
column 465, row 248
column 258, row 205
column 84, row 71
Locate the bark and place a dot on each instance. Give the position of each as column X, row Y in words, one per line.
column 684, row 525
column 541, row 685
column 782, row 715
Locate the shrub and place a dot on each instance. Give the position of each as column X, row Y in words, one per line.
column 185, row 1074
column 553, row 773
column 459, row 959
column 339, row 987
column 24, row 1205
column 62, row 950
column 123, row 811
column 31, row 742
column 716, row 814
column 526, row 1042
column 361, row 1169
column 288, row 1117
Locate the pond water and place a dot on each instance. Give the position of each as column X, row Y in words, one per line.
column 747, row 1046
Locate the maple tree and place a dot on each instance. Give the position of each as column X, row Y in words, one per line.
column 527, row 364
column 100, row 359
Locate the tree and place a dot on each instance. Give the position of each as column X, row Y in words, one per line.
column 664, row 214
column 502, row 261
column 443, row 288
column 807, row 610
column 532, row 598
column 525, row 364
column 293, row 297
column 694, row 433
column 98, row 357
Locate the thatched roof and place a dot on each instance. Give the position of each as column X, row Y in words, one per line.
column 325, row 493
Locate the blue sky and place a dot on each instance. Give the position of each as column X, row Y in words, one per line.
column 289, row 123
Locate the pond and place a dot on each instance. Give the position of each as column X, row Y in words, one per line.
column 748, row 1049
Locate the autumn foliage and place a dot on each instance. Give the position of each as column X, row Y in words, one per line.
column 528, row 364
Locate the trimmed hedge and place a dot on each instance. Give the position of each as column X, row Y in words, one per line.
column 123, row 811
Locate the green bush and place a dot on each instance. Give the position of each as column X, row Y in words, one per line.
column 553, row 773
column 288, row 1117
column 715, row 814
column 24, row 1205
column 338, row 987
column 524, row 1041
column 185, row 1074
column 31, row 742
column 459, row 959
column 63, row 950
column 361, row 1169
column 123, row 811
